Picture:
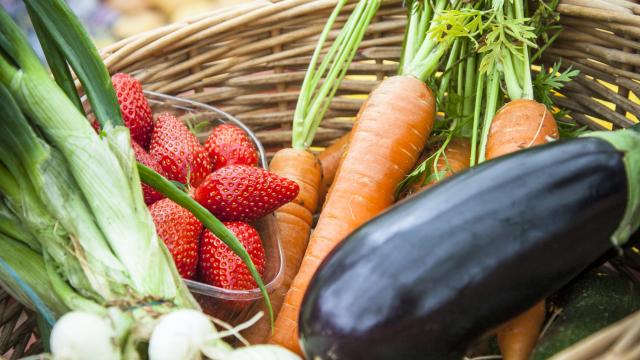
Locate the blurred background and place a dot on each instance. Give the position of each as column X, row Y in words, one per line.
column 111, row 20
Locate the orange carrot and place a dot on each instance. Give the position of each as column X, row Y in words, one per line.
column 455, row 159
column 518, row 337
column 294, row 222
column 330, row 158
column 321, row 80
column 518, row 125
column 391, row 130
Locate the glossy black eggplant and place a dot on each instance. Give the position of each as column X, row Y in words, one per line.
column 431, row 275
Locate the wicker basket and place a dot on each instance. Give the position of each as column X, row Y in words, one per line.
column 250, row 60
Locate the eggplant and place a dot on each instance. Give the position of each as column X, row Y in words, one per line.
column 428, row 277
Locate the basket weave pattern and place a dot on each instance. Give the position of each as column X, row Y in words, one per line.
column 250, row 60
column 17, row 329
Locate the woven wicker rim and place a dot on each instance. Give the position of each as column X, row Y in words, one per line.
column 249, row 60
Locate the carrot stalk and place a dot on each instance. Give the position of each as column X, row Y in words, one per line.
column 476, row 119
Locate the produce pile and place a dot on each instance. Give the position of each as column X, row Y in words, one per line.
column 454, row 220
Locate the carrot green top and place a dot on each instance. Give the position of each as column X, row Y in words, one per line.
column 432, row 29
column 321, row 81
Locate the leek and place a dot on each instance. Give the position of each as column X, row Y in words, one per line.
column 75, row 235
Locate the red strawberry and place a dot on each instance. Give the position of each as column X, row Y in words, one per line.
column 220, row 266
column 180, row 231
column 178, row 151
column 244, row 193
column 135, row 109
column 229, row 145
column 150, row 194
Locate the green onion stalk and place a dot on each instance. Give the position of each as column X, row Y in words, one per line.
column 77, row 243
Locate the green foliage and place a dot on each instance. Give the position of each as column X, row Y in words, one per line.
column 452, row 23
column 548, row 81
column 509, row 34
column 546, row 22
column 569, row 130
column 545, row 19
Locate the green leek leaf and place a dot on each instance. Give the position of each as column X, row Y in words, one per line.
column 55, row 59
column 73, row 41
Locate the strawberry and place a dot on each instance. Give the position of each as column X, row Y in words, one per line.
column 94, row 123
column 180, row 231
column 244, row 193
column 150, row 194
column 220, row 266
column 178, row 151
column 135, row 109
column 229, row 145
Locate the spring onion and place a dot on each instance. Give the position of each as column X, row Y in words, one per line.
column 77, row 243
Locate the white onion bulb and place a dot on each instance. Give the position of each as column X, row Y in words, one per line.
column 179, row 335
column 80, row 335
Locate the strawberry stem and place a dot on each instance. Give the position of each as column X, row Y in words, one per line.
column 168, row 189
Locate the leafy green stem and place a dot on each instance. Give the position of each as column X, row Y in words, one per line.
column 493, row 92
column 420, row 16
column 316, row 94
column 309, row 83
column 73, row 41
column 451, row 62
column 469, row 82
column 337, row 73
column 510, row 78
column 527, row 88
column 476, row 118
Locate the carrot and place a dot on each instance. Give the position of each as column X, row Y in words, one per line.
column 454, row 159
column 518, row 125
column 294, row 222
column 385, row 144
column 330, row 158
column 518, row 337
